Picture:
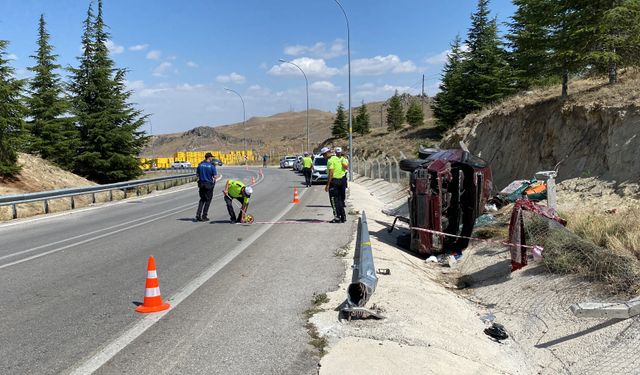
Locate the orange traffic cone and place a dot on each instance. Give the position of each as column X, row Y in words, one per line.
column 253, row 180
column 296, row 198
column 152, row 299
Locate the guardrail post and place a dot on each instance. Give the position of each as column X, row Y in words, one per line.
column 110, row 195
column 125, row 193
column 46, row 206
column 14, row 208
column 93, row 198
column 73, row 202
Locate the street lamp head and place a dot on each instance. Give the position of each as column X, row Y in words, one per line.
column 283, row 60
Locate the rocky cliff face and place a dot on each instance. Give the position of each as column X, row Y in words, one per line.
column 586, row 139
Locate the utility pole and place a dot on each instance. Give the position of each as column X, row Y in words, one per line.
column 423, row 93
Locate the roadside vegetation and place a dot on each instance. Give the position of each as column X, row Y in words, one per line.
column 83, row 123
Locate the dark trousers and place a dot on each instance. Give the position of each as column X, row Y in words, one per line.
column 343, row 191
column 232, row 214
column 337, row 201
column 205, row 189
column 307, row 176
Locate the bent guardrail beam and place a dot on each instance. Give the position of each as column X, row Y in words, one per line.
column 364, row 280
column 45, row 196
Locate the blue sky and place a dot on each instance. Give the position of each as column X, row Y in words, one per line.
column 181, row 54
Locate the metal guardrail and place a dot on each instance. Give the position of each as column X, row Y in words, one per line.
column 45, row 196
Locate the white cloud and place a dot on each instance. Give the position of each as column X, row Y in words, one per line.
column 192, row 64
column 382, row 64
column 12, row 56
column 113, row 47
column 162, row 69
column 311, row 67
column 233, row 77
column 188, row 87
column 320, row 49
column 154, row 55
column 371, row 91
column 135, row 85
column 138, row 47
column 438, row 59
column 325, row 86
column 148, row 93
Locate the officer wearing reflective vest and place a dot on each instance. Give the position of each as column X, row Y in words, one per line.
column 335, row 172
column 237, row 190
column 307, row 164
column 345, row 166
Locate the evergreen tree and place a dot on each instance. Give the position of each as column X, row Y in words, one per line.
column 339, row 128
column 109, row 125
column 530, row 45
column 617, row 36
column 53, row 134
column 488, row 76
column 395, row 113
column 415, row 116
column 361, row 125
column 447, row 104
column 12, row 113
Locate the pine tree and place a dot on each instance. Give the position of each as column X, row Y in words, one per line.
column 12, row 113
column 447, row 107
column 617, row 36
column 53, row 134
column 488, row 76
column 529, row 41
column 361, row 125
column 339, row 128
column 415, row 116
column 395, row 113
column 109, row 125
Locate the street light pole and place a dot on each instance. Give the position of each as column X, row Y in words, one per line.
column 349, row 74
column 244, row 124
column 307, row 87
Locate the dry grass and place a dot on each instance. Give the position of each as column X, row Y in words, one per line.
column 618, row 231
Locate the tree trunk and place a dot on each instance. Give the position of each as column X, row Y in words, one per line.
column 565, row 81
column 613, row 72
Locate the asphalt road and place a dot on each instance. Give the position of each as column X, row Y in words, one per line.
column 69, row 284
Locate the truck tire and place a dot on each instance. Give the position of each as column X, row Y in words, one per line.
column 410, row 165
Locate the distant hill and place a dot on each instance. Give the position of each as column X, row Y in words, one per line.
column 278, row 134
column 285, row 133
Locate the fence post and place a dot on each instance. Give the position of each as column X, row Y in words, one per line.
column 390, row 170
column 397, row 169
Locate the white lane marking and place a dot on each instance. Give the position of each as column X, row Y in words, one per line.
column 94, row 238
column 179, row 209
column 89, row 233
column 113, row 348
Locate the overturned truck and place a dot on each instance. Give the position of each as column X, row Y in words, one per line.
column 449, row 190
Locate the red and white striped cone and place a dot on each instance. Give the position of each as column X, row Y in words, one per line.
column 152, row 298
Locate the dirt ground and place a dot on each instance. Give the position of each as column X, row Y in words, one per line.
column 434, row 327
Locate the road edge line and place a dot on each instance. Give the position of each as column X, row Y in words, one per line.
column 114, row 347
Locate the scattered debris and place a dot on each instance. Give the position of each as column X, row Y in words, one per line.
column 496, row 332
column 383, row 271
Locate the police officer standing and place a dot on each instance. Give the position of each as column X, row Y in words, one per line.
column 237, row 190
column 207, row 176
column 307, row 163
column 345, row 165
column 334, row 185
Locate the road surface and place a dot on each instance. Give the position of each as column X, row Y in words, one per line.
column 69, row 284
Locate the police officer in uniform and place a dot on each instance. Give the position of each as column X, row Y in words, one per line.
column 345, row 165
column 207, row 176
column 237, row 190
column 335, row 173
column 307, row 164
